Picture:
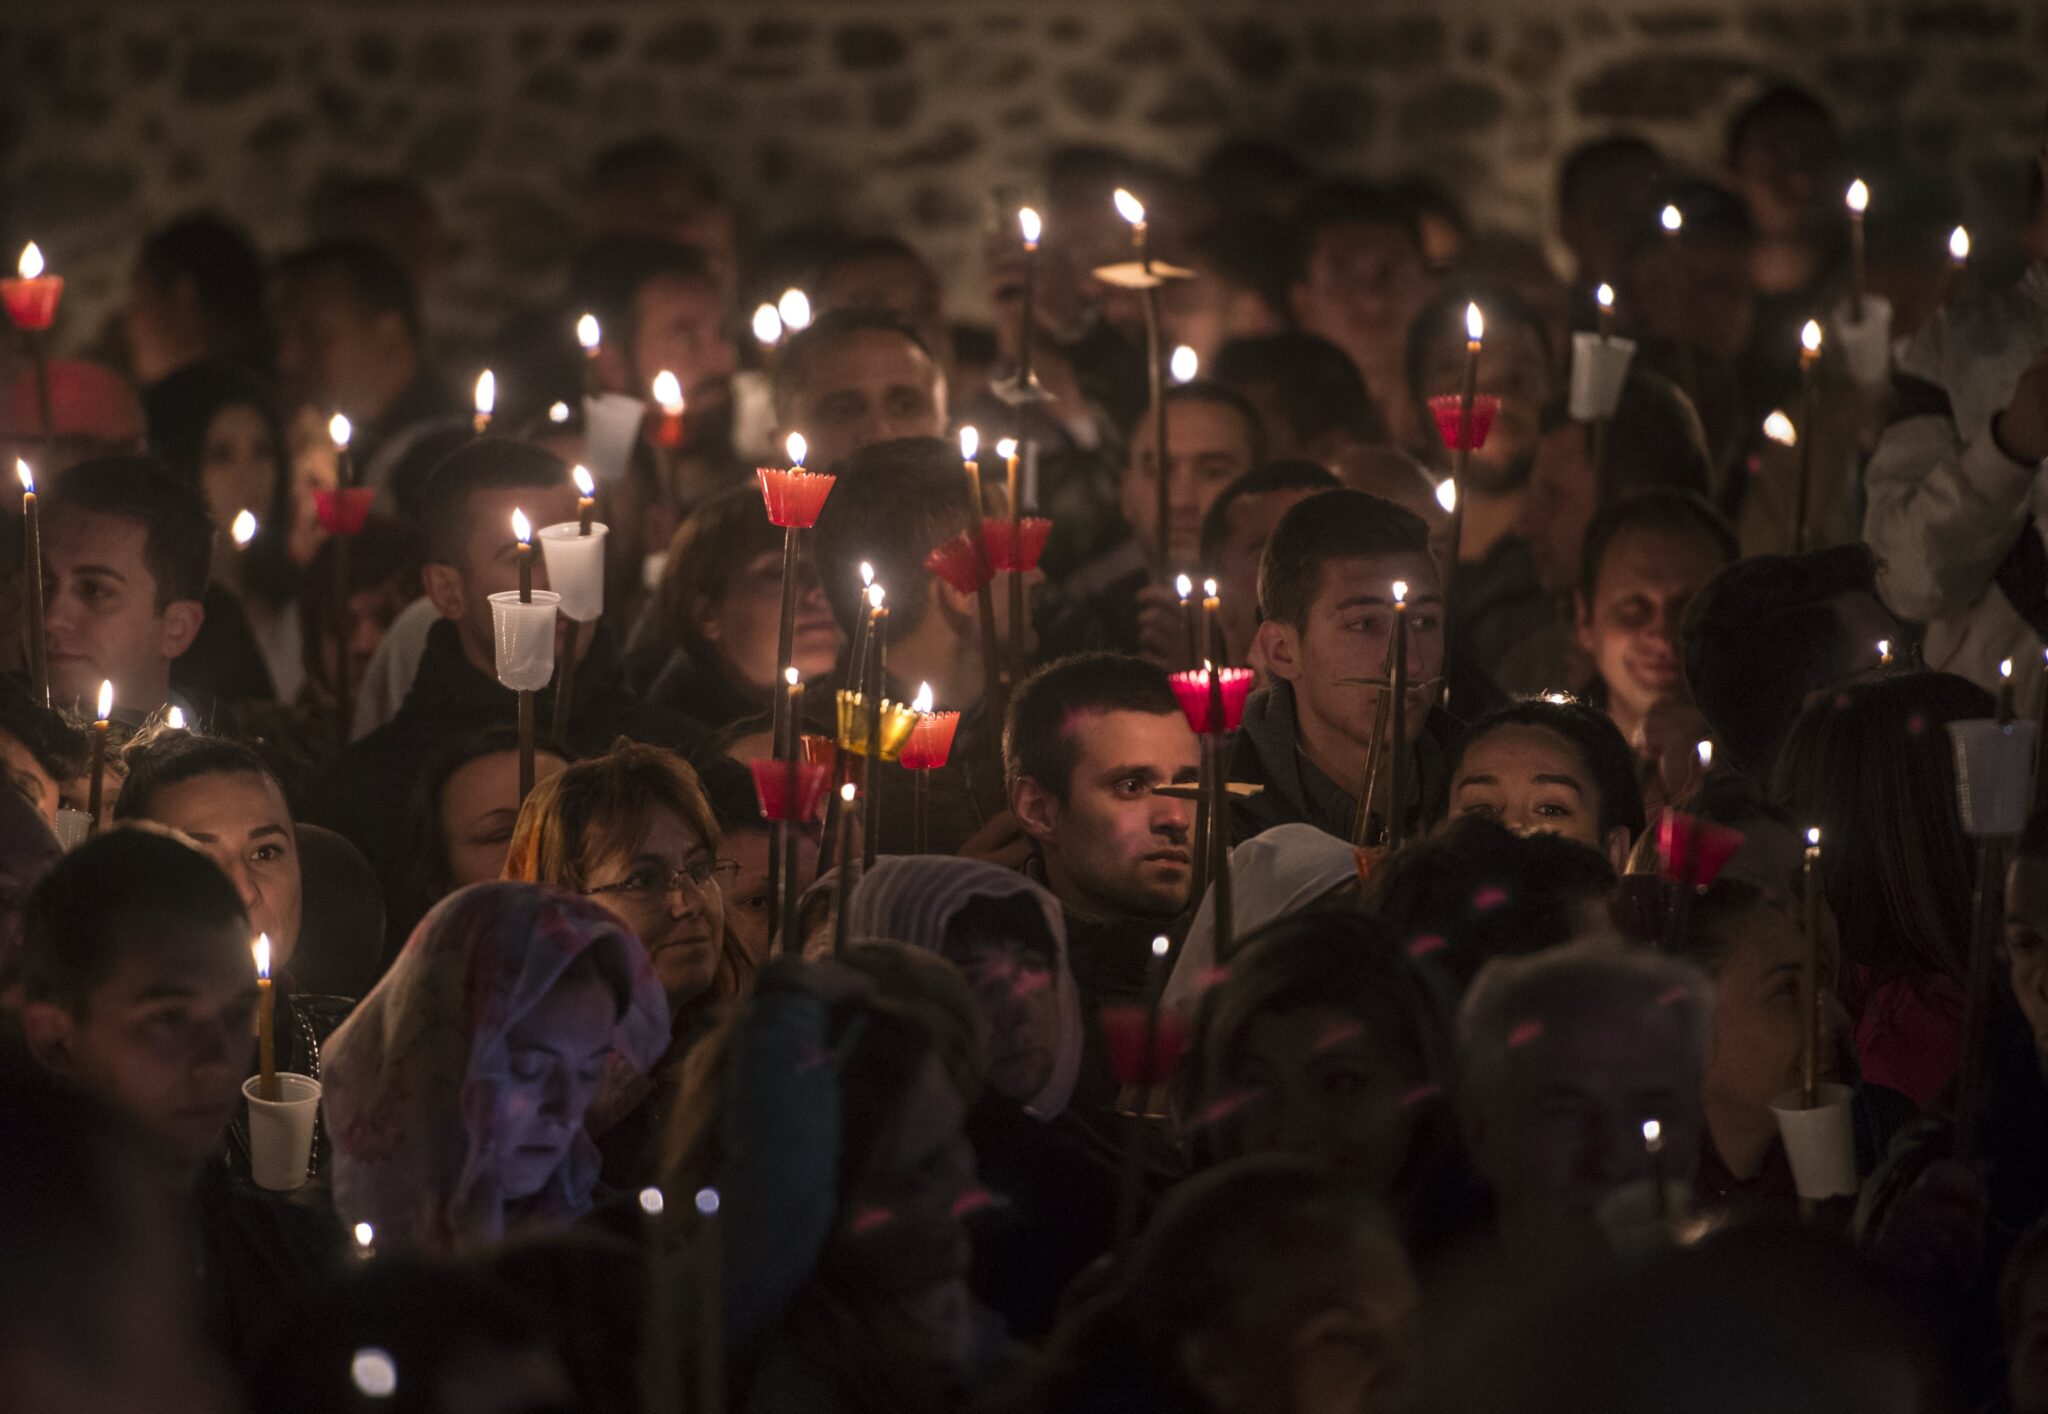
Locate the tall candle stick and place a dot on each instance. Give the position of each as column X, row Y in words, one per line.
column 1378, row 748
column 1809, row 974
column 1858, row 201
column 856, row 659
column 1809, row 386
column 103, row 725
column 1653, row 1145
column 1397, row 807
column 1217, row 742
column 1028, row 225
column 572, row 640
column 1673, row 222
column 793, row 518
column 922, row 780
column 341, row 433
column 32, row 555
column 486, row 400
column 843, row 887
column 1133, row 211
column 782, row 880
column 2041, row 740
column 1190, row 613
column 1131, row 1190
column 1007, row 450
column 710, row 1305
column 266, row 1024
column 522, row 549
column 668, row 396
column 591, row 338
column 522, row 532
column 878, row 680
column 1461, row 454
column 1958, row 261
column 984, row 594
column 1604, row 298
column 2005, row 708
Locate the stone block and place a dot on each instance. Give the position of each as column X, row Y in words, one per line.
column 1190, row 100
column 70, row 190
column 1533, row 54
column 225, row 73
column 1872, row 78
column 1990, row 80
column 1329, row 116
column 1095, row 94
column 1668, row 25
column 892, row 103
column 1449, row 108
column 1670, row 88
column 1257, row 50
column 1964, row 19
column 866, row 46
column 447, row 146
column 683, row 43
column 146, row 58
column 374, row 55
column 594, row 43
column 943, row 148
column 555, row 85
column 1148, row 44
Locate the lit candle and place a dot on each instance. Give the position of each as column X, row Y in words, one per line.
column 1959, row 247
column 340, row 432
column 1884, row 652
column 921, row 796
column 984, row 594
column 1029, row 227
column 1397, row 808
column 856, row 661
column 1131, row 1189
column 365, row 1240
column 1671, row 219
column 1133, row 211
column 1809, row 973
column 1653, row 1145
column 767, row 326
column 782, row 866
column 103, row 725
column 32, row 554
column 266, row 1021
column 522, row 537
column 590, row 337
column 1184, row 364
column 1779, row 429
column 877, row 683
column 1858, row 200
column 710, row 1304
column 32, row 296
column 1190, row 617
column 586, row 497
column 486, row 400
column 1809, row 385
column 844, row 854
column 174, row 717
column 243, row 529
column 1461, row 454
column 668, row 396
column 1604, row 298
column 2004, row 691
column 794, row 309
column 1704, row 750
column 1007, row 450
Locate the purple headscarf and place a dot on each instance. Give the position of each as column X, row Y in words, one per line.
column 415, row 1079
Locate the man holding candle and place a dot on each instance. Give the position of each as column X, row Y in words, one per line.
column 853, row 378
column 1240, row 521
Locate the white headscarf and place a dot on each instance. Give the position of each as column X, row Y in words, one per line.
column 1271, row 874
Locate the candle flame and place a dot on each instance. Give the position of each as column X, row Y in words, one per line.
column 586, row 486
column 1705, row 751
column 970, row 443
column 923, row 701
column 1859, row 196
column 174, row 718
column 1653, row 1135
column 1884, row 648
column 1959, row 245
column 707, row 1202
column 522, row 528
column 1672, row 218
column 1208, row 589
column 1183, row 584
column 791, row 676
column 1779, row 429
column 106, row 703
column 1129, row 207
column 1813, row 836
column 668, row 393
column 588, row 333
column 31, row 263
column 28, row 478
column 652, row 1201
column 486, row 393
column 365, row 1234
column 261, row 948
column 244, row 527
column 558, row 413
column 1006, row 448
column 795, row 310
column 797, row 448
column 867, row 574
column 339, row 431
column 1030, row 225
column 1184, row 364
column 847, row 792
column 767, row 326
column 1400, row 591
column 2005, row 669
column 1604, row 297
column 876, row 594
column 1447, row 494
column 1161, row 945
column 1809, row 336
column 1475, row 323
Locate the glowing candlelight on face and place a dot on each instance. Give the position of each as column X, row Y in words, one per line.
column 1184, row 364
column 767, row 326
column 922, row 703
column 798, row 448
column 339, row 431
column 794, row 309
column 30, row 266
column 106, row 703
column 970, row 443
column 1858, row 197
column 1447, row 495
column 1779, row 429
column 1809, row 340
column 1673, row 219
column 1029, row 224
column 1475, row 324
column 668, row 393
column 1127, row 206
column 486, row 394
column 175, row 718
column 588, row 334
column 243, row 529
column 1959, row 246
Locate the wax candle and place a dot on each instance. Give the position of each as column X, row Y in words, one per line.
column 1809, row 972
column 522, row 548
column 590, row 337
column 1397, row 808
column 1190, row 612
column 174, row 717
column 365, row 1241
column 486, row 400
column 668, row 396
column 1858, row 202
column 266, row 1024
column 1809, row 385
column 1184, row 364
column 2004, row 691
column 877, row 681
column 984, row 593
column 32, row 569
column 1603, row 297
column 1884, row 652
column 1007, row 450
column 1653, row 1145
column 844, row 885
column 102, row 727
column 1029, row 227
column 32, row 296
column 1133, row 211
column 1130, row 1193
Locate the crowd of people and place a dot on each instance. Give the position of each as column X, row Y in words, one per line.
column 1326, row 1064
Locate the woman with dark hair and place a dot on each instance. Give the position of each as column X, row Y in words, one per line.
column 1328, row 1040
column 464, row 811
column 1269, row 1284
column 1874, row 769
column 1551, row 765
column 633, row 831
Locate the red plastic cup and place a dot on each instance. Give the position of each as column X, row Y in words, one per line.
column 771, row 784
column 1124, row 1027
column 931, row 741
column 960, row 563
column 819, row 750
column 1020, row 555
column 1448, row 413
column 794, row 496
column 32, row 304
column 343, row 511
column 1687, row 840
column 1192, row 690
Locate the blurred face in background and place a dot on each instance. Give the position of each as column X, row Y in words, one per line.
column 1209, row 445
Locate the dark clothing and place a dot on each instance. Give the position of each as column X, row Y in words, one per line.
column 451, row 701
column 1877, row 1114
column 1095, row 605
column 1267, row 754
column 224, row 664
column 703, row 694
column 1498, row 603
column 258, row 1255
column 380, row 443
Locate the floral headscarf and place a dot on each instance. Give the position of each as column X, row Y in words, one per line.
column 911, row 898
column 415, row 1079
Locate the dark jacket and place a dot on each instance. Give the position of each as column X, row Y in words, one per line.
column 1266, row 754
column 257, row 1255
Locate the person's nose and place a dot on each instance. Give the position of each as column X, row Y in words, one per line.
column 557, row 1100
column 686, row 899
column 1170, row 817
column 1664, row 625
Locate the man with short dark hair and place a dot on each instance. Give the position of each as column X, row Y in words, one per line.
column 1311, row 402
column 886, row 273
column 1326, row 595
column 1605, row 191
column 196, row 292
column 1240, row 521
column 853, row 378
column 659, row 309
column 1089, row 741
column 126, row 551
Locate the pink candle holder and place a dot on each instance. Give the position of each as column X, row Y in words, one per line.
column 771, row 784
column 1448, row 413
column 960, row 562
column 819, row 750
column 1124, row 1027
column 1021, row 553
column 794, row 496
column 32, row 304
column 1687, row 839
column 931, row 741
column 1192, row 690
column 342, row 511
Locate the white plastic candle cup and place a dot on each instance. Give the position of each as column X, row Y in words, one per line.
column 575, row 568
column 1820, row 1142
column 281, row 1130
column 1867, row 342
column 611, row 424
column 1599, row 368
column 73, row 826
column 524, row 636
column 1994, row 774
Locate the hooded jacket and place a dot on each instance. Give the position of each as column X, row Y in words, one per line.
column 1267, row 754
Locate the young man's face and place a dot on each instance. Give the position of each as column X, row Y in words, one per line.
column 166, row 1038
column 1346, row 634
column 1531, row 779
column 869, row 386
column 490, row 563
column 1629, row 628
column 679, row 327
column 1364, row 282
column 1209, row 446
column 100, row 602
column 1113, row 846
column 1513, row 368
column 239, row 819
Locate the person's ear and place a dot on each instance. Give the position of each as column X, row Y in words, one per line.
column 705, row 617
column 1280, row 647
column 47, row 1030
column 1618, row 848
column 1035, row 808
column 182, row 618
column 444, row 586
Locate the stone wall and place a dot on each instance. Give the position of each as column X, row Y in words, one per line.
column 907, row 114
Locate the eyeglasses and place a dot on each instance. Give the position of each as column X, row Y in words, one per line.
column 643, row 885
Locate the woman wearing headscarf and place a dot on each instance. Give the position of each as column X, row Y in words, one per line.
column 1006, row 936
column 456, row 1093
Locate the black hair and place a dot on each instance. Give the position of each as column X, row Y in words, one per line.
column 793, row 360
column 1039, row 732
column 1784, row 107
column 1592, row 733
column 710, row 549
column 1315, row 384
column 894, row 503
column 1425, row 196
column 859, row 248
column 171, row 758
column 116, row 892
column 376, row 282
column 611, row 272
column 1762, row 634
column 226, row 274
column 1587, row 171
column 384, row 550
column 1273, row 476
column 729, row 786
column 1675, row 512
column 1343, row 203
column 1445, row 314
column 1209, row 392
column 59, row 747
column 432, row 871
column 1253, row 249
column 1336, row 525
column 481, row 464
column 178, row 542
column 1242, row 164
